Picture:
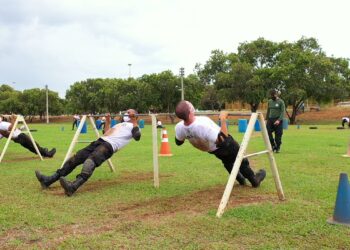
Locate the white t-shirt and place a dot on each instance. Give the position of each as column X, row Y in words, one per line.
column 346, row 119
column 202, row 133
column 5, row 126
column 76, row 117
column 121, row 135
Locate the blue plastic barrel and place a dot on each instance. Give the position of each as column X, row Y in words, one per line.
column 257, row 126
column 285, row 123
column 114, row 122
column 84, row 128
column 141, row 123
column 98, row 124
column 242, row 125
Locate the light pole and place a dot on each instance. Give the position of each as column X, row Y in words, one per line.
column 182, row 73
column 129, row 70
column 47, row 104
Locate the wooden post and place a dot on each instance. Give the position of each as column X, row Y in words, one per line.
column 19, row 118
column 75, row 139
column 155, row 151
column 92, row 121
column 236, row 166
column 273, row 164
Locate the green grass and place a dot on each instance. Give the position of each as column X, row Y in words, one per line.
column 124, row 210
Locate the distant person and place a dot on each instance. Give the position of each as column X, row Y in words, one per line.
column 207, row 136
column 159, row 124
column 23, row 139
column 103, row 123
column 76, row 120
column 345, row 120
column 274, row 116
column 94, row 154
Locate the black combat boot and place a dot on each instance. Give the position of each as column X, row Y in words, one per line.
column 51, row 153
column 70, row 187
column 259, row 177
column 240, row 178
column 46, row 181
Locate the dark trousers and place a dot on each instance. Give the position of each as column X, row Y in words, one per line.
column 98, row 151
column 277, row 129
column 227, row 153
column 343, row 123
column 75, row 124
column 25, row 141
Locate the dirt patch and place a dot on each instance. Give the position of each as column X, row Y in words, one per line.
column 125, row 215
column 196, row 203
column 333, row 114
column 8, row 159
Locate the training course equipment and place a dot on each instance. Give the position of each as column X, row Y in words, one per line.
column 76, row 136
column 20, row 119
column 165, row 146
column 341, row 215
column 241, row 155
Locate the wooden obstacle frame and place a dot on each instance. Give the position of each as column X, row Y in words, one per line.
column 20, row 119
column 240, row 156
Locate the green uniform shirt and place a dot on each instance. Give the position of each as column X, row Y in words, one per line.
column 276, row 109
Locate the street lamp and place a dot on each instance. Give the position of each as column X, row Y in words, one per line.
column 129, row 64
column 182, row 73
column 47, row 104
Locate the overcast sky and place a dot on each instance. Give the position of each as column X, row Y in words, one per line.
column 59, row 42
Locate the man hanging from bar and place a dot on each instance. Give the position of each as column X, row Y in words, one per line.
column 206, row 135
column 21, row 138
column 92, row 156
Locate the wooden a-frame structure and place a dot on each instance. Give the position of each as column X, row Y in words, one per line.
column 20, row 119
column 241, row 155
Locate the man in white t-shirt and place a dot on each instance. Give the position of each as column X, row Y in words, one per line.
column 207, row 136
column 345, row 120
column 92, row 156
column 23, row 139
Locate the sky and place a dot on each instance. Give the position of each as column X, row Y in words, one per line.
column 60, row 42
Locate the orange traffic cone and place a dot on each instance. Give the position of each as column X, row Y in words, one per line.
column 165, row 146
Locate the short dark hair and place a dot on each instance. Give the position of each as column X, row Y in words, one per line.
column 183, row 110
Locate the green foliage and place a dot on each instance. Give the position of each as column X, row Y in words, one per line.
column 30, row 102
column 300, row 70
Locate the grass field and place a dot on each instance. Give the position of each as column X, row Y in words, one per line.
column 124, row 210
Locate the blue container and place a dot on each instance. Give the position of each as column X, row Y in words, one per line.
column 98, row 124
column 141, row 123
column 285, row 123
column 114, row 122
column 84, row 128
column 257, row 126
column 242, row 125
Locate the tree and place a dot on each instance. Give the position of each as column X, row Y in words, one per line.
column 164, row 90
column 303, row 71
column 10, row 100
column 34, row 102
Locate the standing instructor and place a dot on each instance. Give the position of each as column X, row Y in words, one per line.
column 274, row 116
